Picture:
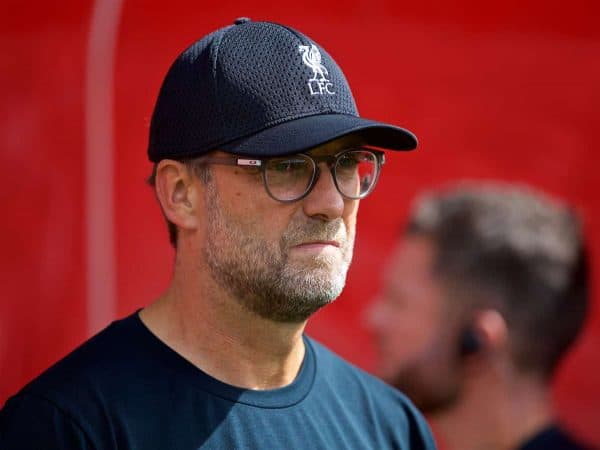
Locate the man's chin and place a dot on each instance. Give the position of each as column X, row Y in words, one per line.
column 321, row 273
column 326, row 262
column 321, row 284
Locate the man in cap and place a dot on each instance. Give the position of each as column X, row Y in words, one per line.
column 260, row 162
column 484, row 294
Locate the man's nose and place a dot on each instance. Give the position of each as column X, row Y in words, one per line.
column 324, row 201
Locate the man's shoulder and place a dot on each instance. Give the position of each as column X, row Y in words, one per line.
column 102, row 358
column 369, row 399
column 347, row 373
column 68, row 401
column 353, row 380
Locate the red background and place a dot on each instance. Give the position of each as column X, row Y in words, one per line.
column 504, row 90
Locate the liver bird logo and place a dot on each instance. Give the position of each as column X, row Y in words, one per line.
column 311, row 56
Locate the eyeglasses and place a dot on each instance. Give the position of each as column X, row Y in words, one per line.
column 291, row 178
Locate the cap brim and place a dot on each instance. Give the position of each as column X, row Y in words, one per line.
column 308, row 132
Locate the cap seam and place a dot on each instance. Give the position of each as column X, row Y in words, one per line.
column 295, row 33
column 217, row 47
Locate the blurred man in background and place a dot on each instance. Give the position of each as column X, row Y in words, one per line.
column 484, row 295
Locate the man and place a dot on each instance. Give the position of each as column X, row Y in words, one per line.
column 484, row 294
column 260, row 161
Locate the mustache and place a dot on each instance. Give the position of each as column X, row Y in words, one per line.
column 314, row 230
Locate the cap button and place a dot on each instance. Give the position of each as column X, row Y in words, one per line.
column 241, row 20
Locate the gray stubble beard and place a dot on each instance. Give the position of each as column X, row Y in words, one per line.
column 258, row 274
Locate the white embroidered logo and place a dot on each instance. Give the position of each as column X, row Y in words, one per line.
column 318, row 84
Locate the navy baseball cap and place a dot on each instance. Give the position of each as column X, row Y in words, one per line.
column 258, row 89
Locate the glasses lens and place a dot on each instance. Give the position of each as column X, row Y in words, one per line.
column 356, row 173
column 289, row 178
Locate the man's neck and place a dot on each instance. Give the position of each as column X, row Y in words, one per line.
column 495, row 415
column 202, row 323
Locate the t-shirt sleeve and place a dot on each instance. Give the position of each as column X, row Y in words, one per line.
column 28, row 422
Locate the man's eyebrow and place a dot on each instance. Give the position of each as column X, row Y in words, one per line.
column 325, row 151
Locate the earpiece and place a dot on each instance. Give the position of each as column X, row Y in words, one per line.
column 470, row 342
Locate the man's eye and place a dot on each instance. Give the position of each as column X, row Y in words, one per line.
column 349, row 161
column 288, row 165
column 282, row 166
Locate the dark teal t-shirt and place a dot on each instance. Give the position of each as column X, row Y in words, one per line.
column 125, row 389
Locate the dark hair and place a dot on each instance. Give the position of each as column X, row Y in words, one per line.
column 520, row 248
column 196, row 167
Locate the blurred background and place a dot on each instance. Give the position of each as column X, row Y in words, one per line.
column 494, row 90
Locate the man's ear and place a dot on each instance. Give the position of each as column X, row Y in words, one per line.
column 177, row 192
column 491, row 330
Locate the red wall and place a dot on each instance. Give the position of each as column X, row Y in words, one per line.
column 508, row 90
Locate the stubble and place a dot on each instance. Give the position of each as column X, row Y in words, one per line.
column 258, row 272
